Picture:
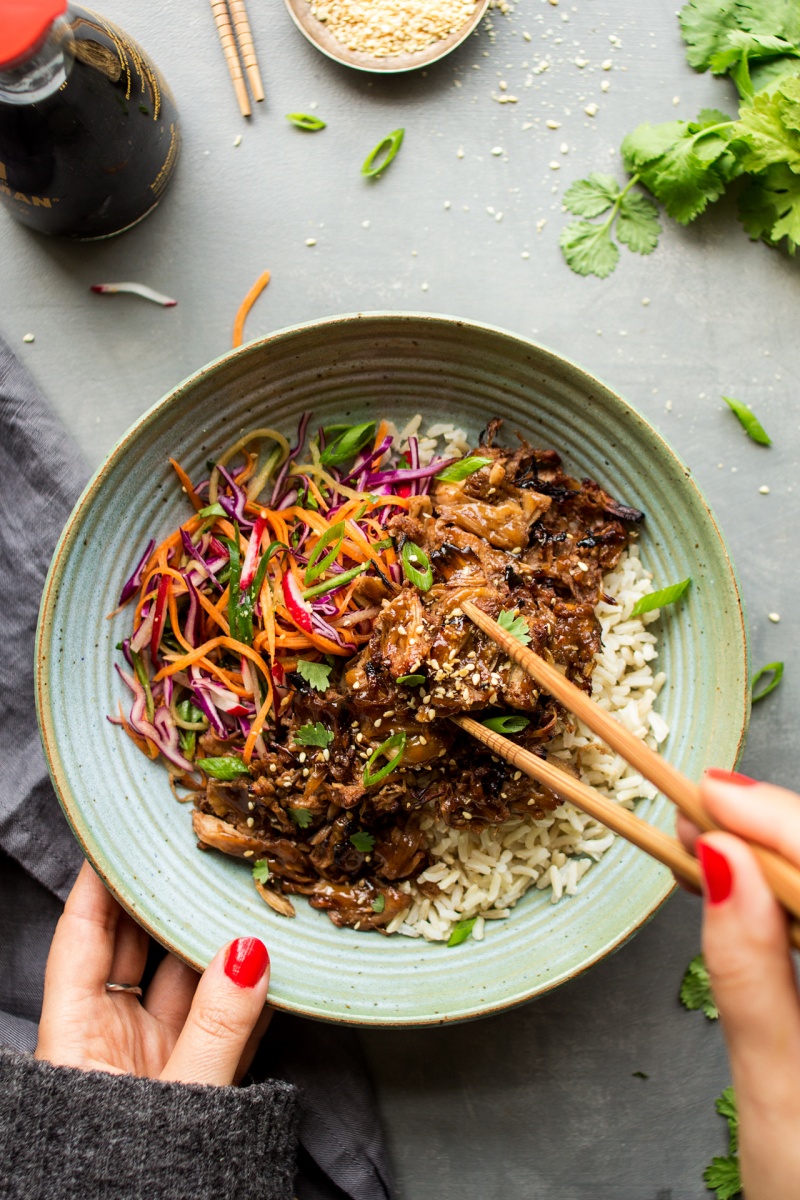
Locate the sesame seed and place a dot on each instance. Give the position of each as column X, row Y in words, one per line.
column 311, row 241
column 272, row 768
column 251, row 822
column 591, row 110
column 476, row 677
column 326, row 754
column 302, row 756
column 378, row 723
column 764, row 490
column 250, row 805
column 306, row 772
column 774, row 617
column 249, row 853
column 359, row 737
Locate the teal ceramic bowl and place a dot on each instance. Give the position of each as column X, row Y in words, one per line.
column 353, row 368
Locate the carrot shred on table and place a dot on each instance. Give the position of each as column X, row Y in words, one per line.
column 246, row 305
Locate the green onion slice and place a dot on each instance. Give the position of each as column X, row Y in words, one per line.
column 749, row 422
column 509, row 724
column 411, row 680
column 396, row 741
column 347, row 444
column 378, row 159
column 776, row 669
column 212, row 510
column 661, row 599
column 306, row 121
column 461, row 932
column 463, row 468
column 417, row 566
column 319, row 561
column 328, row 585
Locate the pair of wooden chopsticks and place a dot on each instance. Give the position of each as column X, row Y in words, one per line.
column 224, row 11
column 782, row 876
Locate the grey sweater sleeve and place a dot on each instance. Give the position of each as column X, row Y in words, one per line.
column 85, row 1135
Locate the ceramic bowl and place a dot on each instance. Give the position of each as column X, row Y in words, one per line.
column 320, row 36
column 353, row 368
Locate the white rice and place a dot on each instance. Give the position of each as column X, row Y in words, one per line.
column 483, row 874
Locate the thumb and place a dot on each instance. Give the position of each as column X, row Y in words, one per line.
column 746, row 951
column 228, row 1002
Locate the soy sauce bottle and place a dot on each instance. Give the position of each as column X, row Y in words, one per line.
column 89, row 131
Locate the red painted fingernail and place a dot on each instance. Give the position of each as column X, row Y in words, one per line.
column 730, row 777
column 716, row 872
column 246, row 961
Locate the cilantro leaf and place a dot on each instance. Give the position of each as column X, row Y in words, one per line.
column 768, row 129
column 725, row 1105
column 315, row 674
column 362, row 841
column 461, row 932
column 514, row 623
column 227, row 767
column 592, row 196
column 661, row 598
column 379, row 903
column 695, row 990
column 638, row 225
column 722, row 1177
column 588, row 249
column 261, row 870
column 685, row 164
column 741, row 46
column 300, row 816
column 313, row 735
column 749, row 422
column 769, row 207
column 705, row 25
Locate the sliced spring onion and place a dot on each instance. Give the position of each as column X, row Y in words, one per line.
column 337, row 581
column 417, row 566
column 378, row 159
column 347, row 444
column 411, row 680
column 463, row 468
column 362, row 841
column 396, row 741
column 144, row 680
column 660, row 599
column 227, row 767
column 508, row 724
column 776, row 670
column 318, row 561
column 212, row 510
column 306, row 121
column 461, row 932
column 749, row 422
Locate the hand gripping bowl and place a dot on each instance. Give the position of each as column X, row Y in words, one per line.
column 351, row 368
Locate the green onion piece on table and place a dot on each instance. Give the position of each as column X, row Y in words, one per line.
column 776, row 670
column 463, row 469
column 396, row 742
column 417, row 566
column 660, row 599
column 378, row 159
column 749, row 422
column 306, row 121
column 509, row 724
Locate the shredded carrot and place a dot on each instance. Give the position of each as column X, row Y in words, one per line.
column 201, row 651
column 246, row 305
column 258, row 725
column 186, row 484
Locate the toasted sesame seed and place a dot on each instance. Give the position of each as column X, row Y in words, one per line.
column 249, row 853
column 251, row 822
column 774, row 617
column 272, row 768
column 326, row 754
column 378, row 723
column 302, row 756
column 250, row 805
column 306, row 772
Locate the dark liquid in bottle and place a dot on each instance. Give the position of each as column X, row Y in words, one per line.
column 95, row 156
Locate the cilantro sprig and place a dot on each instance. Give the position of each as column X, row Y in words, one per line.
column 316, row 674
column 722, row 1175
column 313, row 734
column 514, row 623
column 588, row 247
column 695, row 990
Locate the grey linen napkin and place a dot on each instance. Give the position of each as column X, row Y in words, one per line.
column 342, row 1152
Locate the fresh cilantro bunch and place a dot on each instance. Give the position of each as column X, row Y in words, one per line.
column 687, row 165
column 722, row 1175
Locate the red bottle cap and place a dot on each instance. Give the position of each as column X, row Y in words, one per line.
column 23, row 24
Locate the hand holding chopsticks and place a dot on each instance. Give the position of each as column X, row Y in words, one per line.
column 782, row 876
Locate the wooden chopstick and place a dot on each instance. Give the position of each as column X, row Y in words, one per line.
column 782, row 876
column 228, row 41
column 246, row 47
column 653, row 841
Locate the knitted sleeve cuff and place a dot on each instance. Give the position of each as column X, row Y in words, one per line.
column 66, row 1134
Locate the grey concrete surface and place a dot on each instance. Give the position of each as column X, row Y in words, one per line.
column 541, row 1102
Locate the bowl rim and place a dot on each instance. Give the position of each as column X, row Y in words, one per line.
column 317, row 34
column 71, row 532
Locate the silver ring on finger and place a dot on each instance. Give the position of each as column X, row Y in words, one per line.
column 130, row 989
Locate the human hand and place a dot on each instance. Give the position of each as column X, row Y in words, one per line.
column 747, row 952
column 187, row 1028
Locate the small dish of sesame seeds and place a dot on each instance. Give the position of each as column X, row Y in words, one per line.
column 386, row 36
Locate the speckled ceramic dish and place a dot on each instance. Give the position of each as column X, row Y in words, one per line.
column 320, row 36
column 355, row 368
